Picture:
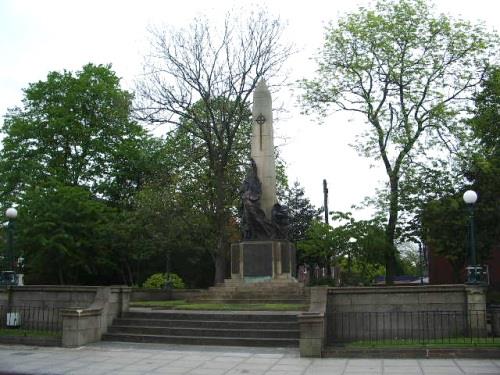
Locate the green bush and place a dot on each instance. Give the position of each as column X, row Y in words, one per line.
column 158, row 280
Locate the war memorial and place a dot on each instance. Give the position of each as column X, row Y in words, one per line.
column 262, row 271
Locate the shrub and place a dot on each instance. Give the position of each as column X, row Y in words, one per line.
column 158, row 280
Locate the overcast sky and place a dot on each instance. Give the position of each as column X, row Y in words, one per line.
column 39, row 36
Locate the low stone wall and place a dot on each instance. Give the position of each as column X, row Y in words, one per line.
column 143, row 294
column 83, row 313
column 398, row 298
column 377, row 313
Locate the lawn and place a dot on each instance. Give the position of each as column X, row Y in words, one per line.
column 27, row 332
column 183, row 305
column 456, row 342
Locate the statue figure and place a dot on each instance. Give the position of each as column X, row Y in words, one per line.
column 254, row 223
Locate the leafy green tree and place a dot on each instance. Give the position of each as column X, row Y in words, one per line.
column 445, row 220
column 201, row 79
column 407, row 72
column 485, row 169
column 358, row 247
column 302, row 212
column 74, row 128
column 62, row 233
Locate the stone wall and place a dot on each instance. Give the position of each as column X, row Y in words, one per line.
column 398, row 298
column 413, row 312
column 83, row 312
column 48, row 296
column 418, row 313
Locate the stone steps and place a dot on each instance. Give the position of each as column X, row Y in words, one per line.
column 216, row 299
column 197, row 340
column 205, row 323
column 253, row 332
column 207, row 328
column 275, row 291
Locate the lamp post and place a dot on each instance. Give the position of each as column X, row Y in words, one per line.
column 351, row 241
column 9, row 275
column 470, row 197
column 11, row 214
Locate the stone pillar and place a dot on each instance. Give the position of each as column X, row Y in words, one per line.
column 81, row 326
column 262, row 146
column 476, row 310
column 313, row 324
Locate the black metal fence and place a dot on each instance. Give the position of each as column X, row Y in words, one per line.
column 30, row 319
column 412, row 327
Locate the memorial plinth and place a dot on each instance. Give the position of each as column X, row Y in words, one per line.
column 253, row 261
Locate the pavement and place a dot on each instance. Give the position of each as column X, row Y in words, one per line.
column 135, row 359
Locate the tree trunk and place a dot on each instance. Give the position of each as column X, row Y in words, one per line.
column 221, row 221
column 390, row 255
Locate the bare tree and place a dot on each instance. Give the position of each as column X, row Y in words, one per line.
column 200, row 79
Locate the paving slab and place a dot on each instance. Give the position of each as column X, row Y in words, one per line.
column 155, row 359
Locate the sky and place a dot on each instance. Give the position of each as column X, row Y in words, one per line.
column 39, row 36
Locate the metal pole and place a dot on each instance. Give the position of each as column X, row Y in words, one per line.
column 325, row 195
column 10, row 245
column 420, row 261
column 472, row 245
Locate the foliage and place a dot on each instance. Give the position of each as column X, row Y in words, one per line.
column 200, row 80
column 445, row 219
column 301, row 211
column 72, row 128
column 358, row 247
column 484, row 172
column 62, row 232
column 158, row 280
column 407, row 72
column 73, row 161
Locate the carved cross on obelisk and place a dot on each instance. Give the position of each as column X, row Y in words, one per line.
column 263, row 146
column 260, row 120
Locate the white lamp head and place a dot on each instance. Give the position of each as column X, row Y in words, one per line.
column 470, row 197
column 11, row 213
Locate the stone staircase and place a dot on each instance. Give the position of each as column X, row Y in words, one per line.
column 274, row 329
column 275, row 291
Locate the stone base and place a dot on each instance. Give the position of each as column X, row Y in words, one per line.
column 253, row 261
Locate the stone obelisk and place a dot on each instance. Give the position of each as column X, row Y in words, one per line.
column 264, row 253
column 262, row 145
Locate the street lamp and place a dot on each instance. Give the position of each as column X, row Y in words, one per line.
column 351, row 241
column 8, row 276
column 11, row 214
column 470, row 197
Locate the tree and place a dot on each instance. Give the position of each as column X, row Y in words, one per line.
column 444, row 218
column 302, row 213
column 484, row 172
column 63, row 234
column 74, row 128
column 445, row 222
column 357, row 246
column 201, row 80
column 407, row 72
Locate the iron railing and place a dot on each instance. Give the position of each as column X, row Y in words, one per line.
column 409, row 327
column 28, row 319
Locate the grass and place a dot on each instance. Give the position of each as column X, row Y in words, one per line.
column 27, row 332
column 183, row 305
column 457, row 342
